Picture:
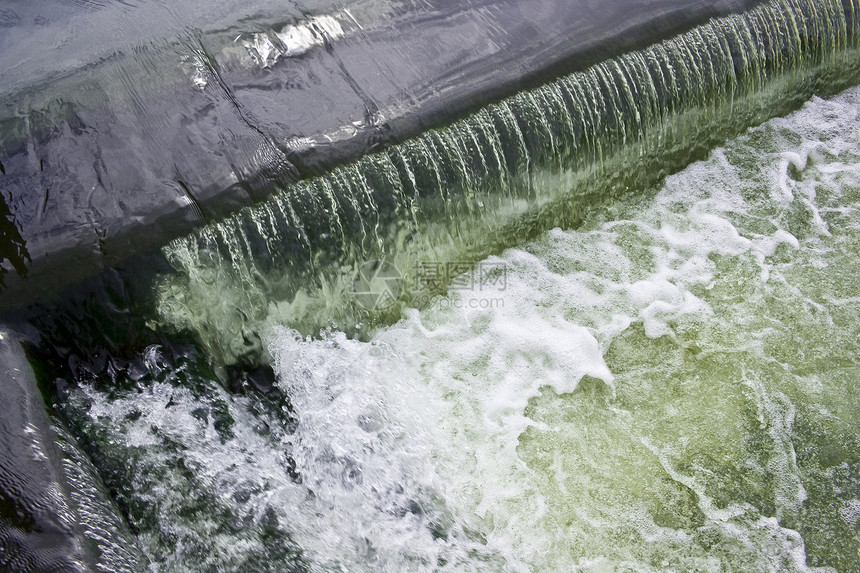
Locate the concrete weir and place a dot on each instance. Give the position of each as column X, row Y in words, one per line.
column 112, row 148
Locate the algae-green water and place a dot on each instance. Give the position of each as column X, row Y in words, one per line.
column 498, row 177
column 669, row 385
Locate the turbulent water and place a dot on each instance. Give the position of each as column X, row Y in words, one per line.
column 667, row 386
column 502, row 175
column 513, row 343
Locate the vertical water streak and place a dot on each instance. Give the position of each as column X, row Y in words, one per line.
column 631, row 118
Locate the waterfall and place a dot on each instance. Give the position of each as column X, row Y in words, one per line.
column 461, row 192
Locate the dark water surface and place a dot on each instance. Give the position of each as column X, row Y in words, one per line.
column 125, row 125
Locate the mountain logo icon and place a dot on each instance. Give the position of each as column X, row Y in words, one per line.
column 377, row 285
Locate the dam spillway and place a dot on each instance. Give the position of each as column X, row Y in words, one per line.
column 178, row 116
column 660, row 378
column 464, row 191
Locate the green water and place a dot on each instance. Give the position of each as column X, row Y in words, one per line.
column 638, row 353
column 669, row 386
column 498, row 177
column 734, row 412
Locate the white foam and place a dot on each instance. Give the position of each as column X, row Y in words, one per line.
column 633, row 404
column 475, row 412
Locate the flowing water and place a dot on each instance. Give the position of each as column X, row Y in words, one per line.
column 669, row 386
column 499, row 176
column 564, row 357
